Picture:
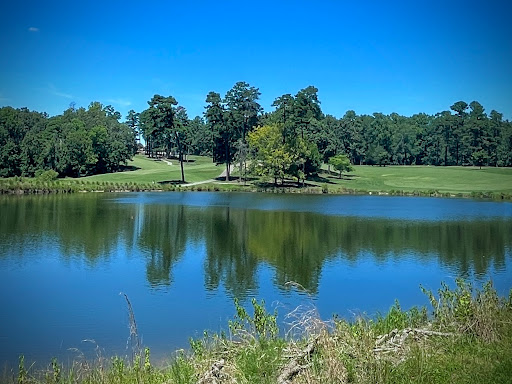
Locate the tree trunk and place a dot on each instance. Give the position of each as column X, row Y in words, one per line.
column 180, row 155
column 227, row 161
column 181, row 164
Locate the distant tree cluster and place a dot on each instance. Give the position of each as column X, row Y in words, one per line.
column 466, row 135
column 230, row 120
column 77, row 143
column 291, row 141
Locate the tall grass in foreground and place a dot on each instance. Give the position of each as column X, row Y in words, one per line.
column 466, row 337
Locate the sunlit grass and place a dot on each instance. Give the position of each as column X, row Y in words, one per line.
column 464, row 180
column 143, row 174
column 149, row 170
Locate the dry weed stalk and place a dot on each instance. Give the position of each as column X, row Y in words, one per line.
column 133, row 339
column 84, row 368
column 322, row 347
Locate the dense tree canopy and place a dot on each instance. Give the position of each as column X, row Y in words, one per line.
column 230, row 119
column 79, row 142
column 271, row 157
column 87, row 141
column 167, row 125
column 466, row 135
column 340, row 163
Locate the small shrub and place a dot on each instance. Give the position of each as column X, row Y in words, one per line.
column 22, row 371
column 397, row 318
column 466, row 311
column 46, row 176
column 262, row 325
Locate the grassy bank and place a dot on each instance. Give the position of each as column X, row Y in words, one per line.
column 466, row 338
column 145, row 174
column 141, row 174
column 144, row 170
column 446, row 180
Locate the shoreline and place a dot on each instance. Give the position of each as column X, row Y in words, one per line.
column 465, row 336
column 24, row 186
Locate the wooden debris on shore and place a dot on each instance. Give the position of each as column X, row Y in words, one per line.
column 297, row 363
column 214, row 375
column 394, row 341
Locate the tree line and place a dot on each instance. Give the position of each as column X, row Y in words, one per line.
column 295, row 138
column 290, row 142
column 77, row 143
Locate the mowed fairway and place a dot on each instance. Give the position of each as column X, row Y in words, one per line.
column 146, row 170
column 454, row 180
column 424, row 178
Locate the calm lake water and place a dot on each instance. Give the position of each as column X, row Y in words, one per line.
column 182, row 257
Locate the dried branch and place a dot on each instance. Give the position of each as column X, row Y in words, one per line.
column 395, row 340
column 294, row 367
column 214, row 374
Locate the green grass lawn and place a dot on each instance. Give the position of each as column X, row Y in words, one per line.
column 460, row 181
column 423, row 178
column 148, row 170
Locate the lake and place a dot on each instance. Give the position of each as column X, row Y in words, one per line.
column 182, row 258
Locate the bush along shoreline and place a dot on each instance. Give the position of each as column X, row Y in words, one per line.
column 465, row 338
column 40, row 186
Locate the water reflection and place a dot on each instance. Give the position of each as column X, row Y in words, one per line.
column 163, row 238
column 80, row 225
column 228, row 257
column 237, row 240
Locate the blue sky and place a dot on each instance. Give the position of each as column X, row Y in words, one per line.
column 382, row 56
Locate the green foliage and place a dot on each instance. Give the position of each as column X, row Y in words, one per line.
column 341, row 163
column 92, row 141
column 378, row 139
column 197, row 346
column 76, row 143
column 270, row 157
column 230, row 120
column 22, row 371
column 164, row 124
column 275, row 157
column 396, row 318
column 46, row 176
column 54, row 376
column 260, row 363
column 262, row 325
column 468, row 311
column 351, row 351
column 306, row 158
column 480, row 158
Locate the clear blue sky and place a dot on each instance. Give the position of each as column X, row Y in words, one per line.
column 381, row 56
